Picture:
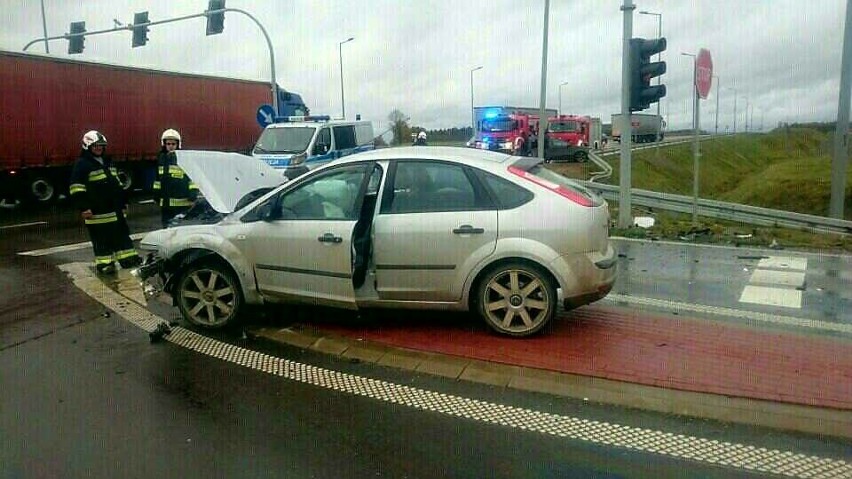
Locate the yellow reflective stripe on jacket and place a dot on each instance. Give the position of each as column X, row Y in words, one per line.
column 175, row 202
column 97, row 175
column 193, row 186
column 125, row 253
column 156, row 185
column 176, row 174
column 103, row 259
column 77, row 188
column 102, row 218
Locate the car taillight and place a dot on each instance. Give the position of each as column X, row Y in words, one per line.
column 564, row 191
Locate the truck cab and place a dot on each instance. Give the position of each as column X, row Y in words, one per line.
column 506, row 133
column 300, row 143
column 571, row 129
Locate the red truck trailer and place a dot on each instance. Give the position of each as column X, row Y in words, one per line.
column 47, row 104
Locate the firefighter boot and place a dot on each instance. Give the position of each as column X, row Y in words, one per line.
column 105, row 269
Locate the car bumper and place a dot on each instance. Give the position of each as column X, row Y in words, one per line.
column 592, row 277
column 152, row 277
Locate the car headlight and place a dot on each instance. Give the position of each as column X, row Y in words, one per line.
column 298, row 159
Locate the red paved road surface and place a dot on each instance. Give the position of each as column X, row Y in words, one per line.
column 620, row 344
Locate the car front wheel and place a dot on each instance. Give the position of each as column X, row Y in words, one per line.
column 208, row 295
column 517, row 299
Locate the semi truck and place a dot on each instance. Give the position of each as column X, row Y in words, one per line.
column 48, row 103
column 644, row 128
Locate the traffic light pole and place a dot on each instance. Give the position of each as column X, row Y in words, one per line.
column 273, row 84
column 841, row 130
column 625, row 216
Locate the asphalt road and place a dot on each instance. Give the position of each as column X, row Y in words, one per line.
column 85, row 394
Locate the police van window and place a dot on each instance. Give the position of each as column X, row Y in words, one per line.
column 323, row 143
column 344, row 137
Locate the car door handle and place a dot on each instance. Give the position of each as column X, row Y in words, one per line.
column 329, row 238
column 468, row 230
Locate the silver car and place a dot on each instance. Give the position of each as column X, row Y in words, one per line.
column 427, row 228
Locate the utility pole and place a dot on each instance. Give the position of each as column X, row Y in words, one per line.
column 542, row 116
column 717, row 103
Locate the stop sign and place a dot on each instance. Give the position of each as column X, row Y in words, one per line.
column 703, row 73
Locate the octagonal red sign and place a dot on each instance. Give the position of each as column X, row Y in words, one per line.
column 703, row 73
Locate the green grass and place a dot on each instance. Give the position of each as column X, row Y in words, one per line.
column 786, row 170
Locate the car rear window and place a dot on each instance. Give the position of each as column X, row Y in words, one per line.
column 549, row 176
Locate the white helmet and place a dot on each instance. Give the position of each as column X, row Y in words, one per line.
column 170, row 134
column 92, row 138
column 422, row 135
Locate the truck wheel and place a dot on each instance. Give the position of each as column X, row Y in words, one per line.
column 41, row 190
column 124, row 178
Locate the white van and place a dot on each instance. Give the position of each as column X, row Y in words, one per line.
column 303, row 143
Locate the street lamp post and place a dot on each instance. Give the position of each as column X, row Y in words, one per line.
column 695, row 123
column 472, row 112
column 735, row 109
column 560, row 95
column 717, row 103
column 44, row 27
column 340, row 51
column 659, row 58
column 746, row 114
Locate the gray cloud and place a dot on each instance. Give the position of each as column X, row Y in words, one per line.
column 417, row 56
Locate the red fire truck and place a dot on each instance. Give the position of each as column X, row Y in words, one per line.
column 578, row 132
column 509, row 133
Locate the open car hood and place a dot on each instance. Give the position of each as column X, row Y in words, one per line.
column 225, row 178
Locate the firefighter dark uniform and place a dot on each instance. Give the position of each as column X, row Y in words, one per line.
column 174, row 191
column 95, row 188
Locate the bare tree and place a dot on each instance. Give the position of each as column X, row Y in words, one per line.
column 399, row 126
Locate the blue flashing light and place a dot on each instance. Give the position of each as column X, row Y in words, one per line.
column 492, row 114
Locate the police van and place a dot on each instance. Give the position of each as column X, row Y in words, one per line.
column 297, row 144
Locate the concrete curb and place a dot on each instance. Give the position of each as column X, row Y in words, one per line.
column 788, row 417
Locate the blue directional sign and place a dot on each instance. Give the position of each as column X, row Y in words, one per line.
column 265, row 115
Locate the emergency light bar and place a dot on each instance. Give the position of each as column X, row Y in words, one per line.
column 286, row 119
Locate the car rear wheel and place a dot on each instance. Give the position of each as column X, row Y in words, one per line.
column 208, row 295
column 517, row 299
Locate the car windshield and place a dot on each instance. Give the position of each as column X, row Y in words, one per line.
column 284, row 140
column 564, row 126
column 498, row 124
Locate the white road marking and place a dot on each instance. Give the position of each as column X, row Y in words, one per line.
column 785, row 298
column 777, row 281
column 23, row 225
column 709, row 451
column 793, row 279
column 783, row 262
column 778, row 319
column 70, row 247
column 146, row 202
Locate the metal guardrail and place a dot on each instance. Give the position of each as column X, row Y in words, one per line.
column 727, row 211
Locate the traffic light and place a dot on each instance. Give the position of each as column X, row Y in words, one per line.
column 75, row 44
column 140, row 29
column 215, row 22
column 642, row 70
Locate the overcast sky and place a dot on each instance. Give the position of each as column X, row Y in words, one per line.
column 416, row 56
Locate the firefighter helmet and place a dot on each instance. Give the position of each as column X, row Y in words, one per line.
column 170, row 134
column 93, row 138
column 421, row 135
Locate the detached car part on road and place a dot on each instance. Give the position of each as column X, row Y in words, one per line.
column 423, row 228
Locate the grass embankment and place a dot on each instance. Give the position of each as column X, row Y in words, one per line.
column 788, row 169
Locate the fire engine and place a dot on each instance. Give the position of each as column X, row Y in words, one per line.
column 509, row 133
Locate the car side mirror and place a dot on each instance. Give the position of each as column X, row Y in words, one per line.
column 265, row 212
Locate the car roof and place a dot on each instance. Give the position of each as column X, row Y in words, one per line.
column 316, row 124
column 471, row 156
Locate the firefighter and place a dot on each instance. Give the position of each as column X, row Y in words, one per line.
column 173, row 190
column 421, row 139
column 101, row 200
